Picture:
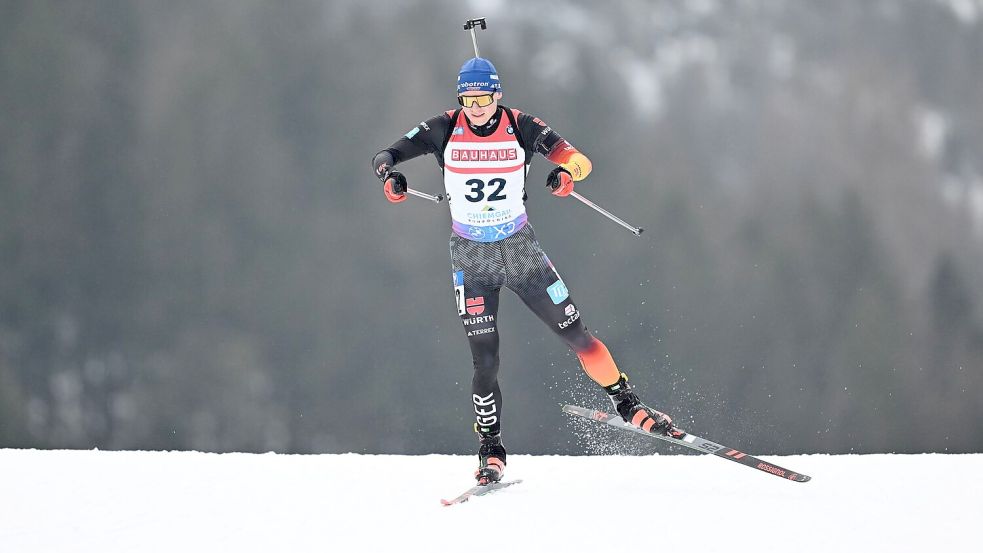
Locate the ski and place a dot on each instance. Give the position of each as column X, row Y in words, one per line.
column 479, row 490
column 692, row 442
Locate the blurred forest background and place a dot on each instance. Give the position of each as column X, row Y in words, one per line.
column 195, row 254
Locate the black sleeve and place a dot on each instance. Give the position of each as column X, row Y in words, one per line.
column 536, row 135
column 425, row 138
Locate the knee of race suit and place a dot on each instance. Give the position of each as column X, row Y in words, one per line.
column 577, row 336
column 485, row 376
column 484, row 354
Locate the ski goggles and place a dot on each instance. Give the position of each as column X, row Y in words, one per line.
column 481, row 101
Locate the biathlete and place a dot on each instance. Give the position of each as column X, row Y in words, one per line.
column 484, row 150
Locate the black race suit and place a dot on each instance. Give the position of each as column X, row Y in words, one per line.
column 516, row 262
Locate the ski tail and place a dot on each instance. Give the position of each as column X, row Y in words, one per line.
column 691, row 441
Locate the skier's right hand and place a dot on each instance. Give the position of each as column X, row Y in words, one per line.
column 394, row 186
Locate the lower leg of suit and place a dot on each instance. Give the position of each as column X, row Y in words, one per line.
column 483, row 339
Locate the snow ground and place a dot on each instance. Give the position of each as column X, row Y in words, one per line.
column 61, row 501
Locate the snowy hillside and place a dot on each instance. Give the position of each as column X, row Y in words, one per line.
column 59, row 501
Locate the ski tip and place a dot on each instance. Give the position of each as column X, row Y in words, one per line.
column 801, row 478
column 445, row 503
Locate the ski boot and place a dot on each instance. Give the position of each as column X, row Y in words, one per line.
column 636, row 413
column 491, row 459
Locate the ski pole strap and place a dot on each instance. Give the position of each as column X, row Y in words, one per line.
column 634, row 230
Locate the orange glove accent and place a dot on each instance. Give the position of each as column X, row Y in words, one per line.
column 560, row 182
column 390, row 195
column 394, row 184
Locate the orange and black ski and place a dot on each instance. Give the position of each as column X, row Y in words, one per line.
column 692, row 442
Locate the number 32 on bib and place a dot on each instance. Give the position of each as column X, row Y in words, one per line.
column 485, row 178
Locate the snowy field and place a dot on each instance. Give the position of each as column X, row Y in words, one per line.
column 66, row 501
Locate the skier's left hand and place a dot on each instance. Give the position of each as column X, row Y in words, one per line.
column 560, row 181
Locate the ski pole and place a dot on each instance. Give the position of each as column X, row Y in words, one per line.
column 435, row 199
column 634, row 230
column 469, row 25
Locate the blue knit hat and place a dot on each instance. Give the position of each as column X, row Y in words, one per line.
column 478, row 74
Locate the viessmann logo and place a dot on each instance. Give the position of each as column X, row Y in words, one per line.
column 498, row 154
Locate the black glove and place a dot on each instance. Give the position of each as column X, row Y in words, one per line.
column 560, row 181
column 397, row 182
column 395, row 186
